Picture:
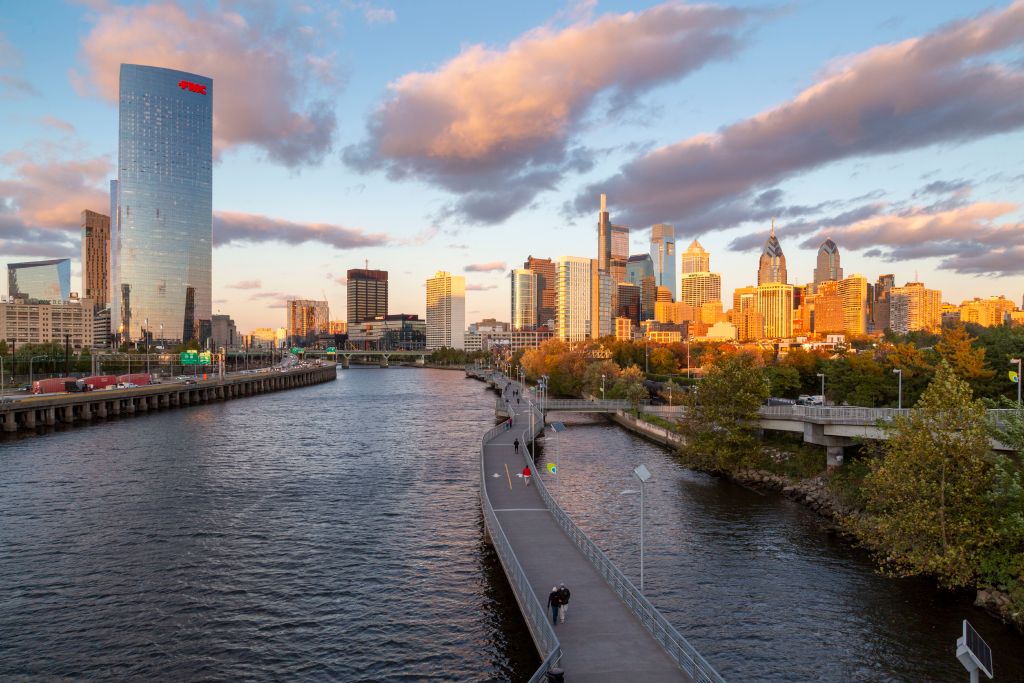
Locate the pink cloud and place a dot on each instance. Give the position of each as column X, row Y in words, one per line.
column 265, row 96
column 57, row 124
column 476, row 287
column 915, row 93
column 485, row 267
column 246, row 284
column 505, row 118
column 47, row 190
column 236, row 227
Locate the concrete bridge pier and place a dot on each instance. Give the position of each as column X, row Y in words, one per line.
column 833, row 456
column 69, row 414
column 345, row 360
column 101, row 409
column 30, row 419
column 9, row 422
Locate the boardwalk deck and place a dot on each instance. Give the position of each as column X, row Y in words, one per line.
column 602, row 640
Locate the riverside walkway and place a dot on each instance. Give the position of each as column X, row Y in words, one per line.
column 611, row 632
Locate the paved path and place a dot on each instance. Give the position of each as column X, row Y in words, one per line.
column 601, row 638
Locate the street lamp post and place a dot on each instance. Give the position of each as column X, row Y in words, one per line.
column 602, row 387
column 30, row 361
column 1019, row 378
column 822, row 376
column 643, row 474
column 899, row 401
column 687, row 358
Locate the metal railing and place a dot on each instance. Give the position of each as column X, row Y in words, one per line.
column 860, row 415
column 610, row 405
column 673, row 642
column 533, row 612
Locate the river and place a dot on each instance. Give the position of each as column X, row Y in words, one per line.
column 334, row 532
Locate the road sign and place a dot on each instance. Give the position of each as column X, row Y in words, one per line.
column 642, row 473
column 331, row 349
column 205, row 358
column 189, row 358
column 297, row 350
column 558, row 426
column 973, row 652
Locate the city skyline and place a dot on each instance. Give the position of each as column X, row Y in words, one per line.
column 303, row 195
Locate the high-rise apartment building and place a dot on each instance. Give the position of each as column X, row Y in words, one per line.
column 914, row 307
column 880, row 302
column 854, row 293
column 446, row 311
column 620, row 253
column 367, row 292
column 572, row 318
column 603, row 302
column 524, row 299
column 96, row 257
column 775, row 304
column 772, row 264
column 40, row 281
column 546, row 272
column 306, row 319
column 628, row 302
column 697, row 289
column 989, row 312
column 827, row 308
column 23, row 323
column 695, row 259
column 663, row 255
column 828, row 267
column 161, row 232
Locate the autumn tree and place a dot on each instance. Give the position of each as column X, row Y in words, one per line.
column 592, row 377
column 957, row 348
column 720, row 420
column 663, row 362
column 630, row 386
column 927, row 497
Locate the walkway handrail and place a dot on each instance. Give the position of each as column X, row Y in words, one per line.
column 677, row 647
column 536, row 619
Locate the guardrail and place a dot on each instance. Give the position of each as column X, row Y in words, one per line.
column 677, row 647
column 536, row 619
column 583, row 404
column 860, row 415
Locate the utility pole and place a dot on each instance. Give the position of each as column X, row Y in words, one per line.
column 67, row 348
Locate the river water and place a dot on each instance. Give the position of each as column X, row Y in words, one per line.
column 334, row 532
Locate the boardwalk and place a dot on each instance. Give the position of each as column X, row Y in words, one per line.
column 602, row 640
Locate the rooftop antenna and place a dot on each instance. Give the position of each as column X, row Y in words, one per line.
column 367, row 262
column 604, row 203
column 773, row 227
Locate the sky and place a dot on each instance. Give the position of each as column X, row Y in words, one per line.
column 460, row 136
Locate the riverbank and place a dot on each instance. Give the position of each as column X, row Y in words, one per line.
column 816, row 494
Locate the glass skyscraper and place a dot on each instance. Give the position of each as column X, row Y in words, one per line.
column 161, row 240
column 40, row 281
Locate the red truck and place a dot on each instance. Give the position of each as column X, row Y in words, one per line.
column 97, row 382
column 139, row 379
column 54, row 385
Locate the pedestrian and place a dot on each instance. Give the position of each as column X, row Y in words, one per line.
column 563, row 600
column 515, row 444
column 554, row 598
column 526, row 476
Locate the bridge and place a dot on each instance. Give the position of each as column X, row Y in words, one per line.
column 382, row 357
column 612, row 632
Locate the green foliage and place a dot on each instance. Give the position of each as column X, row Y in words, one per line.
column 630, row 386
column 592, row 377
column 663, row 362
column 858, row 379
column 847, row 483
column 784, row 380
column 659, row 421
column 927, row 498
column 720, row 422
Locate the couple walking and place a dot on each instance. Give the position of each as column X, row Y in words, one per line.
column 558, row 601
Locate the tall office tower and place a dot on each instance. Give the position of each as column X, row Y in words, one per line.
column 640, row 271
column 772, row 265
column 914, row 307
column 524, row 299
column 306, row 319
column 828, row 308
column 697, row 289
column 162, row 228
column 663, row 255
column 663, row 295
column 828, row 267
column 573, row 311
column 96, row 257
column 620, row 253
column 629, row 302
column 546, row 272
column 367, row 292
column 604, row 236
column 775, row 304
column 603, row 301
column 446, row 311
column 696, row 259
column 40, row 281
column 746, row 317
column 854, row 293
column 880, row 302
column 223, row 332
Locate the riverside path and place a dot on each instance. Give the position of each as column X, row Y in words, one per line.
column 602, row 638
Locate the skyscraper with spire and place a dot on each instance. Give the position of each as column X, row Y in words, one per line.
column 612, row 245
column 772, row 265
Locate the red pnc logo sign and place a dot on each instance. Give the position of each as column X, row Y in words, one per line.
column 192, row 87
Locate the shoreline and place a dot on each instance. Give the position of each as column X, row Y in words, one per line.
column 814, row 494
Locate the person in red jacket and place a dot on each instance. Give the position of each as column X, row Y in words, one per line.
column 526, row 475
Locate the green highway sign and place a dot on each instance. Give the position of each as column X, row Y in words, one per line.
column 331, row 349
column 206, row 358
column 297, row 350
column 190, row 358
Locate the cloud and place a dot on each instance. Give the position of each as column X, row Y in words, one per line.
column 47, row 190
column 233, row 227
column 12, row 86
column 246, row 284
column 273, row 299
column 497, row 126
column 379, row 15
column 272, row 89
column 485, row 267
column 944, row 87
column 476, row 287
column 57, row 124
column 974, row 239
column 338, row 279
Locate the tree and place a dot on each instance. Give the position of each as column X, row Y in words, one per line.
column 927, row 497
column 784, row 380
column 630, row 386
column 956, row 347
column 720, row 420
column 592, row 377
column 1003, row 565
column 663, row 362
